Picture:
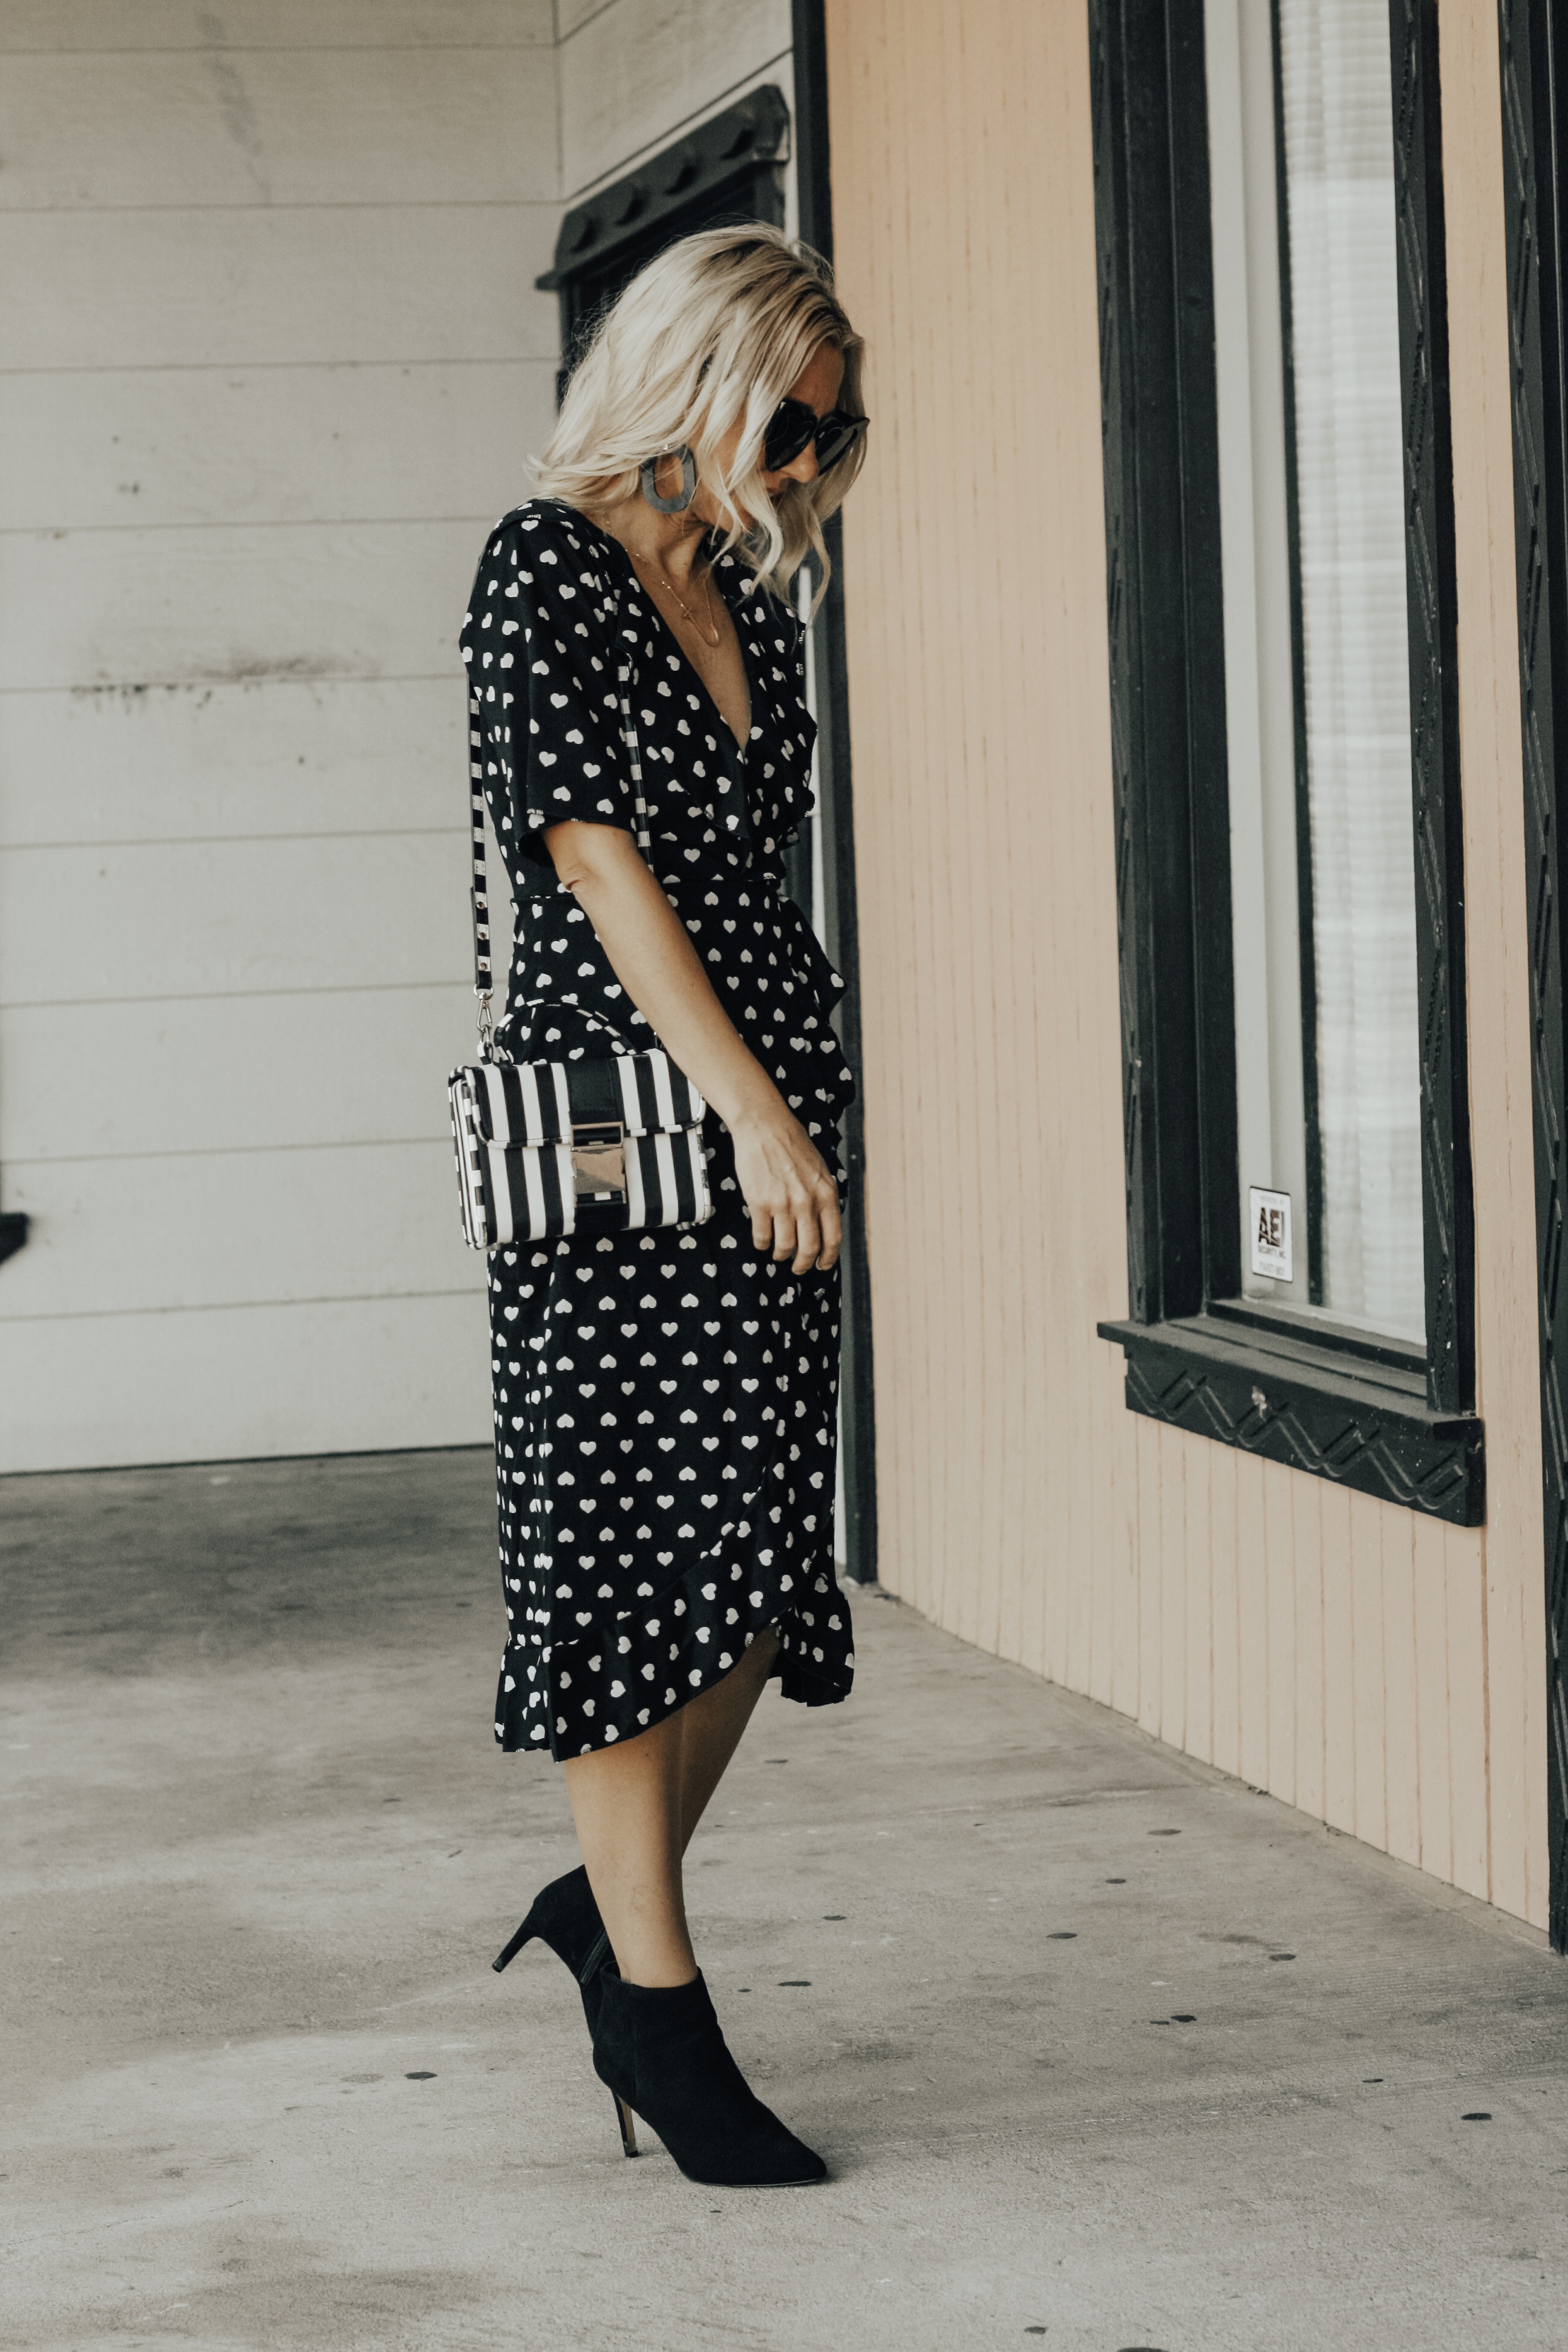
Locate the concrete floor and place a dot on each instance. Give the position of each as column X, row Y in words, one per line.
column 1105, row 2050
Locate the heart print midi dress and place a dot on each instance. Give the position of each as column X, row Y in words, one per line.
column 665, row 1401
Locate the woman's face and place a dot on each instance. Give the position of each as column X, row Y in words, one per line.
column 818, row 384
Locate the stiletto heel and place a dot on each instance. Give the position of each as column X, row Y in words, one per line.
column 660, row 2050
column 564, row 1916
column 629, row 2124
column 508, row 1952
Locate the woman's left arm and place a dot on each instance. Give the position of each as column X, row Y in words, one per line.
column 788, row 1187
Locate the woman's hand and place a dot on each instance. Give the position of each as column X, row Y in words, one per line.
column 787, row 1187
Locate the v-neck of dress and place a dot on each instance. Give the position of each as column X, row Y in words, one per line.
column 690, row 667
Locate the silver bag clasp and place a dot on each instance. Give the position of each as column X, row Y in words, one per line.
column 599, row 1159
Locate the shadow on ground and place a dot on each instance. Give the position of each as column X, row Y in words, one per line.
column 1105, row 2050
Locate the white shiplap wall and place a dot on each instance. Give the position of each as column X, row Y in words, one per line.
column 273, row 361
column 634, row 73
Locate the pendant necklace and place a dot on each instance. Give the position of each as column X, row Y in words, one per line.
column 710, row 635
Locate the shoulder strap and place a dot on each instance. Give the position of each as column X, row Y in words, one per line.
column 479, row 889
column 478, row 897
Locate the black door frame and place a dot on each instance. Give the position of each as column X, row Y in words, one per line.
column 1535, row 156
column 729, row 167
column 814, row 189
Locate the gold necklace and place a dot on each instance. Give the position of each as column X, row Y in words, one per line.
column 710, row 635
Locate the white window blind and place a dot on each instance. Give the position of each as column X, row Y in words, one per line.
column 1338, row 177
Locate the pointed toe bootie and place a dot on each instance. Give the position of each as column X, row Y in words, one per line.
column 660, row 2051
column 565, row 1917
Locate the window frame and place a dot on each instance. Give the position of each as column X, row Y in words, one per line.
column 1375, row 1415
column 729, row 168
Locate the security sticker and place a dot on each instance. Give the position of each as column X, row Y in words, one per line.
column 1270, row 1213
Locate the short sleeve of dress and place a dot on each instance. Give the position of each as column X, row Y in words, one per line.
column 543, row 697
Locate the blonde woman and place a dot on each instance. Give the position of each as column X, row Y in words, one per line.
column 665, row 1401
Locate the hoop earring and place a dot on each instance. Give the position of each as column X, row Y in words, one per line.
column 687, row 483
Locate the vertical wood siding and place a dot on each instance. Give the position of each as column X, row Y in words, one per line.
column 1383, row 1672
column 273, row 363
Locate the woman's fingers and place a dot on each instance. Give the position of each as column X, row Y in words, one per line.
column 818, row 1227
column 832, row 1228
column 807, row 1240
column 793, row 1203
column 791, row 1232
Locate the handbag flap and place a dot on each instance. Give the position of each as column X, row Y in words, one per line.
column 519, row 1103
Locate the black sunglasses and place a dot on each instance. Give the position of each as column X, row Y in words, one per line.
column 792, row 425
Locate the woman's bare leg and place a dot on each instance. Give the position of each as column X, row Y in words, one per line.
column 711, row 1729
column 625, row 1801
column 635, row 1806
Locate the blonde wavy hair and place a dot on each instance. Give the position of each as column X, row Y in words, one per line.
column 715, row 328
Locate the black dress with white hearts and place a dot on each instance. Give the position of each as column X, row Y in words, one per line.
column 665, row 1402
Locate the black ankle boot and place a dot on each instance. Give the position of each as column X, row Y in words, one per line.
column 660, row 2051
column 565, row 1917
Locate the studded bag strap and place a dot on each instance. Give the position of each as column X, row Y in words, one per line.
column 629, row 738
column 478, row 884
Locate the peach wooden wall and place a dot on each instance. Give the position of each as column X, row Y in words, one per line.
column 1379, row 1671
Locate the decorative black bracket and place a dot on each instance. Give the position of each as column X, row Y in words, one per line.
column 1371, row 1428
column 12, row 1233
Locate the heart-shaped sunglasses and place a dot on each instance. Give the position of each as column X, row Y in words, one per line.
column 793, row 424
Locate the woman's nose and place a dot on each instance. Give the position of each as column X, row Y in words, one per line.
column 803, row 468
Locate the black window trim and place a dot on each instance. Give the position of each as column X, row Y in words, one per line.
column 731, row 163
column 1198, row 1356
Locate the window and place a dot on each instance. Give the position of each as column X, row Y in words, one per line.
column 1317, row 673
column 1282, row 671
column 1318, row 683
column 728, row 168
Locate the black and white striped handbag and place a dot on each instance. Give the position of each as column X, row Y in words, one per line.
column 588, row 1146
column 594, row 1145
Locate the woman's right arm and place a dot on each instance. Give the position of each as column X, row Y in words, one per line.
column 788, row 1188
